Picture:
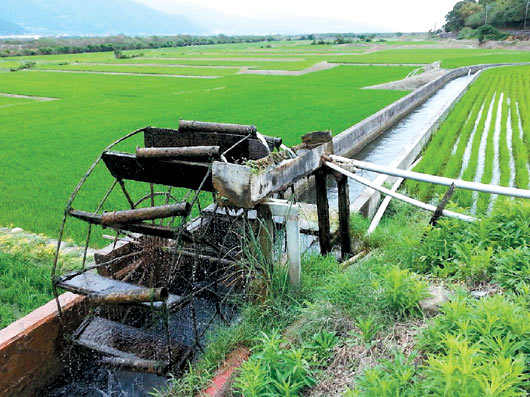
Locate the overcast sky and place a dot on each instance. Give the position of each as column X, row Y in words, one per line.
column 404, row 15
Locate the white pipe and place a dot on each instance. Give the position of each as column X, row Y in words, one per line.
column 438, row 180
column 399, row 196
column 382, row 208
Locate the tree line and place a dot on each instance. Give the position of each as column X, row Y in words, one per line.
column 75, row 45
column 501, row 14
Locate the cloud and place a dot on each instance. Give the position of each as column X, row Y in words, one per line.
column 310, row 15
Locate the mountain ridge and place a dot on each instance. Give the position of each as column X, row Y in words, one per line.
column 9, row 28
column 71, row 17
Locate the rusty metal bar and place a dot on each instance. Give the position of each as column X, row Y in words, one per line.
column 144, row 295
column 190, row 125
column 222, row 261
column 192, row 153
column 126, row 193
column 127, row 272
column 145, row 214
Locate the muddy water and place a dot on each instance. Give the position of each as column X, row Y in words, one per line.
column 384, row 149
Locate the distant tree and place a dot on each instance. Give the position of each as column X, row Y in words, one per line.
column 339, row 39
column 456, row 18
column 498, row 13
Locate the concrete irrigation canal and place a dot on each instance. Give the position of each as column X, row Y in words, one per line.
column 141, row 308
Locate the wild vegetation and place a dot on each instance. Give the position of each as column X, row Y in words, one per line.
column 25, row 263
column 361, row 331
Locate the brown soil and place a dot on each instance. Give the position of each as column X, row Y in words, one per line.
column 315, row 68
column 35, row 98
column 412, row 83
column 350, row 361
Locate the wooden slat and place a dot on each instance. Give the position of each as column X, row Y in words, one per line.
column 120, row 340
column 321, row 190
column 171, row 173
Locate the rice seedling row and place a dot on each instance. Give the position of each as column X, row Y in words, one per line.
column 484, row 139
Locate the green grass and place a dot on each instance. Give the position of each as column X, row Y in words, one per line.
column 451, row 58
column 302, row 53
column 476, row 345
column 6, row 66
column 25, row 266
column 24, row 286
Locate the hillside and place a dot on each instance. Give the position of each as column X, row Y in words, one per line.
column 56, row 17
column 8, row 27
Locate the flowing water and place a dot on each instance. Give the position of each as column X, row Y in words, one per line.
column 385, row 148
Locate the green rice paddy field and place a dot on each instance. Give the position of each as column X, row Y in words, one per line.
column 47, row 146
column 486, row 138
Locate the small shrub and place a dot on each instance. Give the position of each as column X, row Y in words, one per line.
column 402, row 291
column 466, row 33
column 369, row 328
column 389, row 378
column 276, row 370
column 489, row 32
column 513, row 267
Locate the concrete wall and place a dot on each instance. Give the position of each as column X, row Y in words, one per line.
column 31, row 348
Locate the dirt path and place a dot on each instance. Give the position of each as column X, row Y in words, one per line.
column 315, row 68
column 232, row 59
column 16, row 239
column 414, row 82
column 123, row 73
column 171, row 65
column 35, row 98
